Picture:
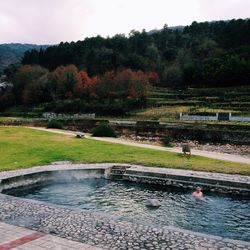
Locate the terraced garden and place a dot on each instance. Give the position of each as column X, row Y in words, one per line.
column 166, row 104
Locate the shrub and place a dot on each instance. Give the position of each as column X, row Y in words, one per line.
column 166, row 141
column 54, row 124
column 104, row 130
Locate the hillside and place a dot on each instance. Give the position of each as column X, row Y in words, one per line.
column 13, row 52
column 114, row 75
column 206, row 54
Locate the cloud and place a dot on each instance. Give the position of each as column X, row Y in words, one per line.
column 121, row 16
column 224, row 9
column 52, row 21
column 42, row 21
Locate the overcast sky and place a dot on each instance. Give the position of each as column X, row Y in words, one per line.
column 53, row 21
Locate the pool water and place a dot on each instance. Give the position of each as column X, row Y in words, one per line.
column 226, row 216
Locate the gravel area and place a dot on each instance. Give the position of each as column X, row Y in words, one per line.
column 242, row 150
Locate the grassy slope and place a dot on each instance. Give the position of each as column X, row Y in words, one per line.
column 23, row 147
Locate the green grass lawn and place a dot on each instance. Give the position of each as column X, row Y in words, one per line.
column 22, row 147
column 5, row 118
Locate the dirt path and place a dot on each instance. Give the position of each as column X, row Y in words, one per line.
column 209, row 154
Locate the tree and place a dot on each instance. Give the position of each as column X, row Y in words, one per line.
column 24, row 78
column 173, row 76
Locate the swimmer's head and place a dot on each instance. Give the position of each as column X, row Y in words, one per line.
column 198, row 189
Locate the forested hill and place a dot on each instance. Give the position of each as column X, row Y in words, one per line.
column 13, row 52
column 202, row 54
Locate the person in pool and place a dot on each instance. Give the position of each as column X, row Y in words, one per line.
column 197, row 194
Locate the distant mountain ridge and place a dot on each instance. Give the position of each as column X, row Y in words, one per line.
column 179, row 27
column 13, row 52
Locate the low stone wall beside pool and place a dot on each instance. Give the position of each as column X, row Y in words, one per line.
column 52, row 173
column 213, row 182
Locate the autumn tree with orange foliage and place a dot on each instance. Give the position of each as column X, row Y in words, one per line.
column 122, row 84
column 83, row 87
column 119, row 90
column 66, row 77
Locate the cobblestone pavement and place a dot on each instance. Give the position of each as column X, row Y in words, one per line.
column 19, row 238
column 101, row 230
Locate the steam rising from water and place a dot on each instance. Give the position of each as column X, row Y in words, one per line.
column 71, row 176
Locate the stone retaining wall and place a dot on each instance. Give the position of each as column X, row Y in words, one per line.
column 199, row 117
column 195, row 132
column 175, row 179
column 216, row 117
column 51, row 115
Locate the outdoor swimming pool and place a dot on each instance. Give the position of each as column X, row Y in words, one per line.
column 222, row 215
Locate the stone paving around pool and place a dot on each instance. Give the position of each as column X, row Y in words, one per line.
column 19, row 238
column 92, row 229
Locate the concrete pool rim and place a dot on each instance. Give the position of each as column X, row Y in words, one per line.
column 209, row 181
